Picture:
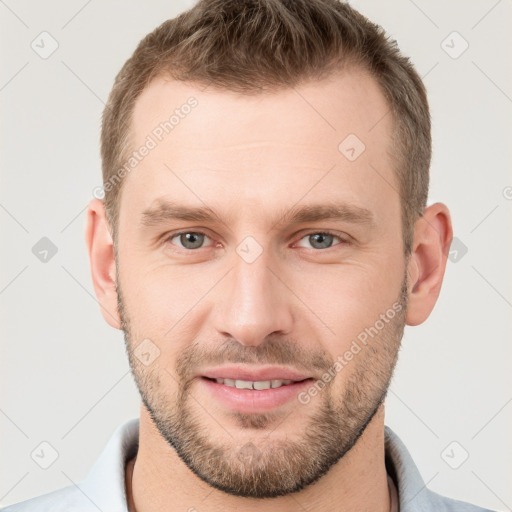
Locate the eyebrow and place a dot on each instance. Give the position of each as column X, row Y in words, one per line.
column 166, row 211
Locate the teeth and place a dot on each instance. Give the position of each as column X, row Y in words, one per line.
column 243, row 384
column 261, row 385
column 247, row 384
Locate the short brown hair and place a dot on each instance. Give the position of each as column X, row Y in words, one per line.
column 249, row 46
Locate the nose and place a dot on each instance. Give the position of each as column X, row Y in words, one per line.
column 253, row 303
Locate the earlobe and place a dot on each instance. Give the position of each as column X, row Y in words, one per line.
column 103, row 266
column 433, row 235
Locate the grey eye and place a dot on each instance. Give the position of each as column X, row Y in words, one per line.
column 190, row 240
column 319, row 240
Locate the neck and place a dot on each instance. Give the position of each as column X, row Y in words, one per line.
column 158, row 480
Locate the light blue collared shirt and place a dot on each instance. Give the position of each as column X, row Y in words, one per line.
column 104, row 487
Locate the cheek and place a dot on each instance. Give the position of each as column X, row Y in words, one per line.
column 348, row 298
column 167, row 303
column 352, row 293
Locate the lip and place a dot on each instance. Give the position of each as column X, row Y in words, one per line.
column 243, row 372
column 253, row 401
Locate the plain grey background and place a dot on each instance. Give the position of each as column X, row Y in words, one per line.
column 65, row 376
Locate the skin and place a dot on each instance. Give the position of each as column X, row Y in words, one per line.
column 251, row 159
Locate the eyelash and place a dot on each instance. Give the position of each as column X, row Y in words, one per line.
column 343, row 241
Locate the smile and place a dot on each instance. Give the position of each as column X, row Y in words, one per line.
column 247, row 384
column 253, row 396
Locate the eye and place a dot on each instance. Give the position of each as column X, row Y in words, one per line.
column 321, row 240
column 192, row 240
column 189, row 239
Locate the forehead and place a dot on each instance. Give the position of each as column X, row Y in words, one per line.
column 347, row 100
column 245, row 150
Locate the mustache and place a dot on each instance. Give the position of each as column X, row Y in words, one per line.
column 273, row 351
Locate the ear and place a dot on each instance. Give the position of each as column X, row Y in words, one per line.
column 103, row 265
column 433, row 235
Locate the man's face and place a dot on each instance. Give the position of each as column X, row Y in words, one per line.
column 254, row 286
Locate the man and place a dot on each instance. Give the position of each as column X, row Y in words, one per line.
column 263, row 241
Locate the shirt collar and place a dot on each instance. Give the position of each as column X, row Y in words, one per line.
column 105, row 483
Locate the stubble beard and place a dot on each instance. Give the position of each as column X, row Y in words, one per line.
column 271, row 465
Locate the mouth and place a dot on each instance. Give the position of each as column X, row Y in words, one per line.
column 253, row 396
column 255, row 385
